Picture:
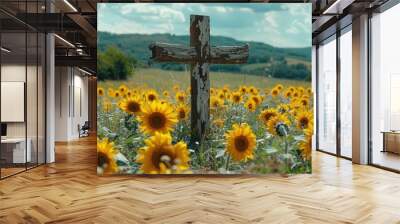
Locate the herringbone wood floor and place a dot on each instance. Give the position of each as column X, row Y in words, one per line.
column 70, row 192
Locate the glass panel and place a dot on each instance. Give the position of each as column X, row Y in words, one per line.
column 31, row 98
column 41, row 99
column 13, row 79
column 346, row 94
column 327, row 96
column 386, row 89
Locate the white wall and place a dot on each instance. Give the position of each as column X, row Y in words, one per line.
column 70, row 83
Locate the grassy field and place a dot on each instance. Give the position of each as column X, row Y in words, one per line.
column 164, row 80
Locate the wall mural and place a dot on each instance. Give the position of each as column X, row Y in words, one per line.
column 191, row 88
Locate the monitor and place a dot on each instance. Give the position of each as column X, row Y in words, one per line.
column 3, row 129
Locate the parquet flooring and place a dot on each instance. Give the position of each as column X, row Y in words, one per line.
column 69, row 191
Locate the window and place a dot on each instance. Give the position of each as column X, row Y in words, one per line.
column 327, row 96
column 385, row 89
column 346, row 93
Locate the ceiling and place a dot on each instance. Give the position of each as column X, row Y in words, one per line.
column 330, row 15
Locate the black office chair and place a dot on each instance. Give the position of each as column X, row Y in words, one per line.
column 84, row 130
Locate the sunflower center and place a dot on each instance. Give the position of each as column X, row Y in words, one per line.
column 151, row 97
column 304, row 122
column 182, row 114
column 267, row 116
column 241, row 143
column 133, row 107
column 157, row 120
column 102, row 159
column 181, row 98
column 161, row 156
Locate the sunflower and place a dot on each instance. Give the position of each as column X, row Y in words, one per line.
column 253, row 90
column 241, row 142
column 304, row 101
column 106, row 154
column 157, row 117
column 221, row 95
column 274, row 92
column 243, row 89
column 159, row 156
column 304, row 120
column 151, row 95
column 166, row 93
column 291, row 89
column 305, row 145
column 212, row 91
column 279, row 87
column 128, row 93
column 257, row 99
column 183, row 111
column 225, row 89
column 267, row 114
column 100, row 91
column 216, row 102
column 135, row 91
column 288, row 94
column 301, row 90
column 236, row 97
column 250, row 105
column 309, row 91
column 122, row 89
column 117, row 94
column 180, row 97
column 131, row 105
column 278, row 125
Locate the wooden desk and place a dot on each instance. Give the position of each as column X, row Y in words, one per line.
column 391, row 141
column 13, row 150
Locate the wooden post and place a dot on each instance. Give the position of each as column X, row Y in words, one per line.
column 200, row 82
column 199, row 55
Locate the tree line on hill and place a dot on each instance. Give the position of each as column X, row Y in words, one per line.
column 120, row 54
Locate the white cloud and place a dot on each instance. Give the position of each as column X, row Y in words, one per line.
column 271, row 19
column 221, row 9
column 158, row 10
column 249, row 10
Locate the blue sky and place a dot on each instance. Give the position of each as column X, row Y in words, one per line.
column 281, row 25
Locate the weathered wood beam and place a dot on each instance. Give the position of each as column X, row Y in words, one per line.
column 199, row 78
column 164, row 52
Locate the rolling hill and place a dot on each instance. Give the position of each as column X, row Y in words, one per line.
column 262, row 56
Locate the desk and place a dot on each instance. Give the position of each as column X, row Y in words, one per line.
column 13, row 150
column 391, row 141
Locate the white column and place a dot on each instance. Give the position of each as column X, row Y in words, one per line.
column 50, row 92
column 50, row 100
column 360, row 90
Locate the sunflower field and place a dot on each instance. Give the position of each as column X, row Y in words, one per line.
column 144, row 130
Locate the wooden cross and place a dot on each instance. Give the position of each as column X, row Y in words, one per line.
column 199, row 55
